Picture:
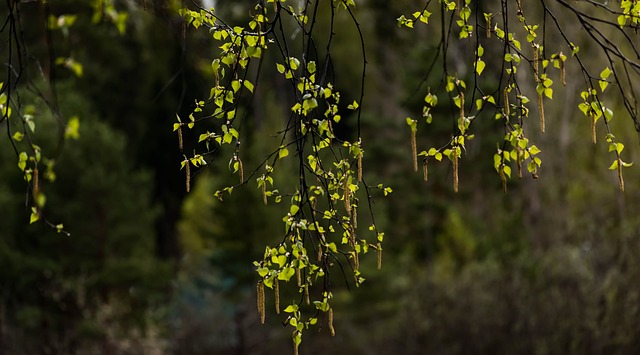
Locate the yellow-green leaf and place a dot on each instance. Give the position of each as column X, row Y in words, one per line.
column 480, row 66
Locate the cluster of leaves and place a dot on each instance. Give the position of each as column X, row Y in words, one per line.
column 511, row 111
column 36, row 166
column 321, row 226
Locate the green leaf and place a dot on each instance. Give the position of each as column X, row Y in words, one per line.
column 294, row 209
column 283, row 152
column 309, row 104
column 291, row 308
column 323, row 306
column 235, row 85
column 35, row 216
column 507, row 170
column 533, row 150
column 410, row 121
column 603, row 84
column 311, row 67
column 548, row 92
column 622, row 20
column 297, row 338
column 294, row 63
column 480, row 66
column 263, row 271
column 72, row 129
column 608, row 114
column 22, row 160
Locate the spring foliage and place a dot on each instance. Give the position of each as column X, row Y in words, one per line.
column 521, row 55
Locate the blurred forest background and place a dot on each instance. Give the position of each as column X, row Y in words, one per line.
column 551, row 267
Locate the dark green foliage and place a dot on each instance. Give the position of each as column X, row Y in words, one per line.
column 67, row 294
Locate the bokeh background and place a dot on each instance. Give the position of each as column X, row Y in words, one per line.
column 551, row 267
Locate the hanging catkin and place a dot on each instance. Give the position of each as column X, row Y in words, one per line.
column 594, row 137
column 360, row 167
column 425, row 170
column 264, row 191
column 306, row 294
column 535, row 63
column 519, row 161
column 347, row 194
column 506, row 102
column 277, row 294
column 240, row 170
column 488, row 27
column 461, row 107
column 455, row 171
column 620, row 178
column 188, row 176
column 260, row 300
column 379, row 252
column 414, row 150
column 541, row 108
column 331, row 329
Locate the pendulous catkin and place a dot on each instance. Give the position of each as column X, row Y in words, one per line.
column 356, row 260
column 240, row 170
column 425, row 170
column 264, row 191
column 180, row 142
column 541, row 108
column 488, row 27
column 535, row 63
column 379, row 252
column 347, row 195
column 36, row 183
column 519, row 161
column 352, row 236
column 563, row 76
column 620, row 178
column 594, row 137
column 506, row 102
column 188, row 175
column 455, row 171
column 355, row 217
column 331, row 329
column 306, row 294
column 277, row 292
column 360, row 166
column 260, row 298
column 414, row 150
column 461, row 106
